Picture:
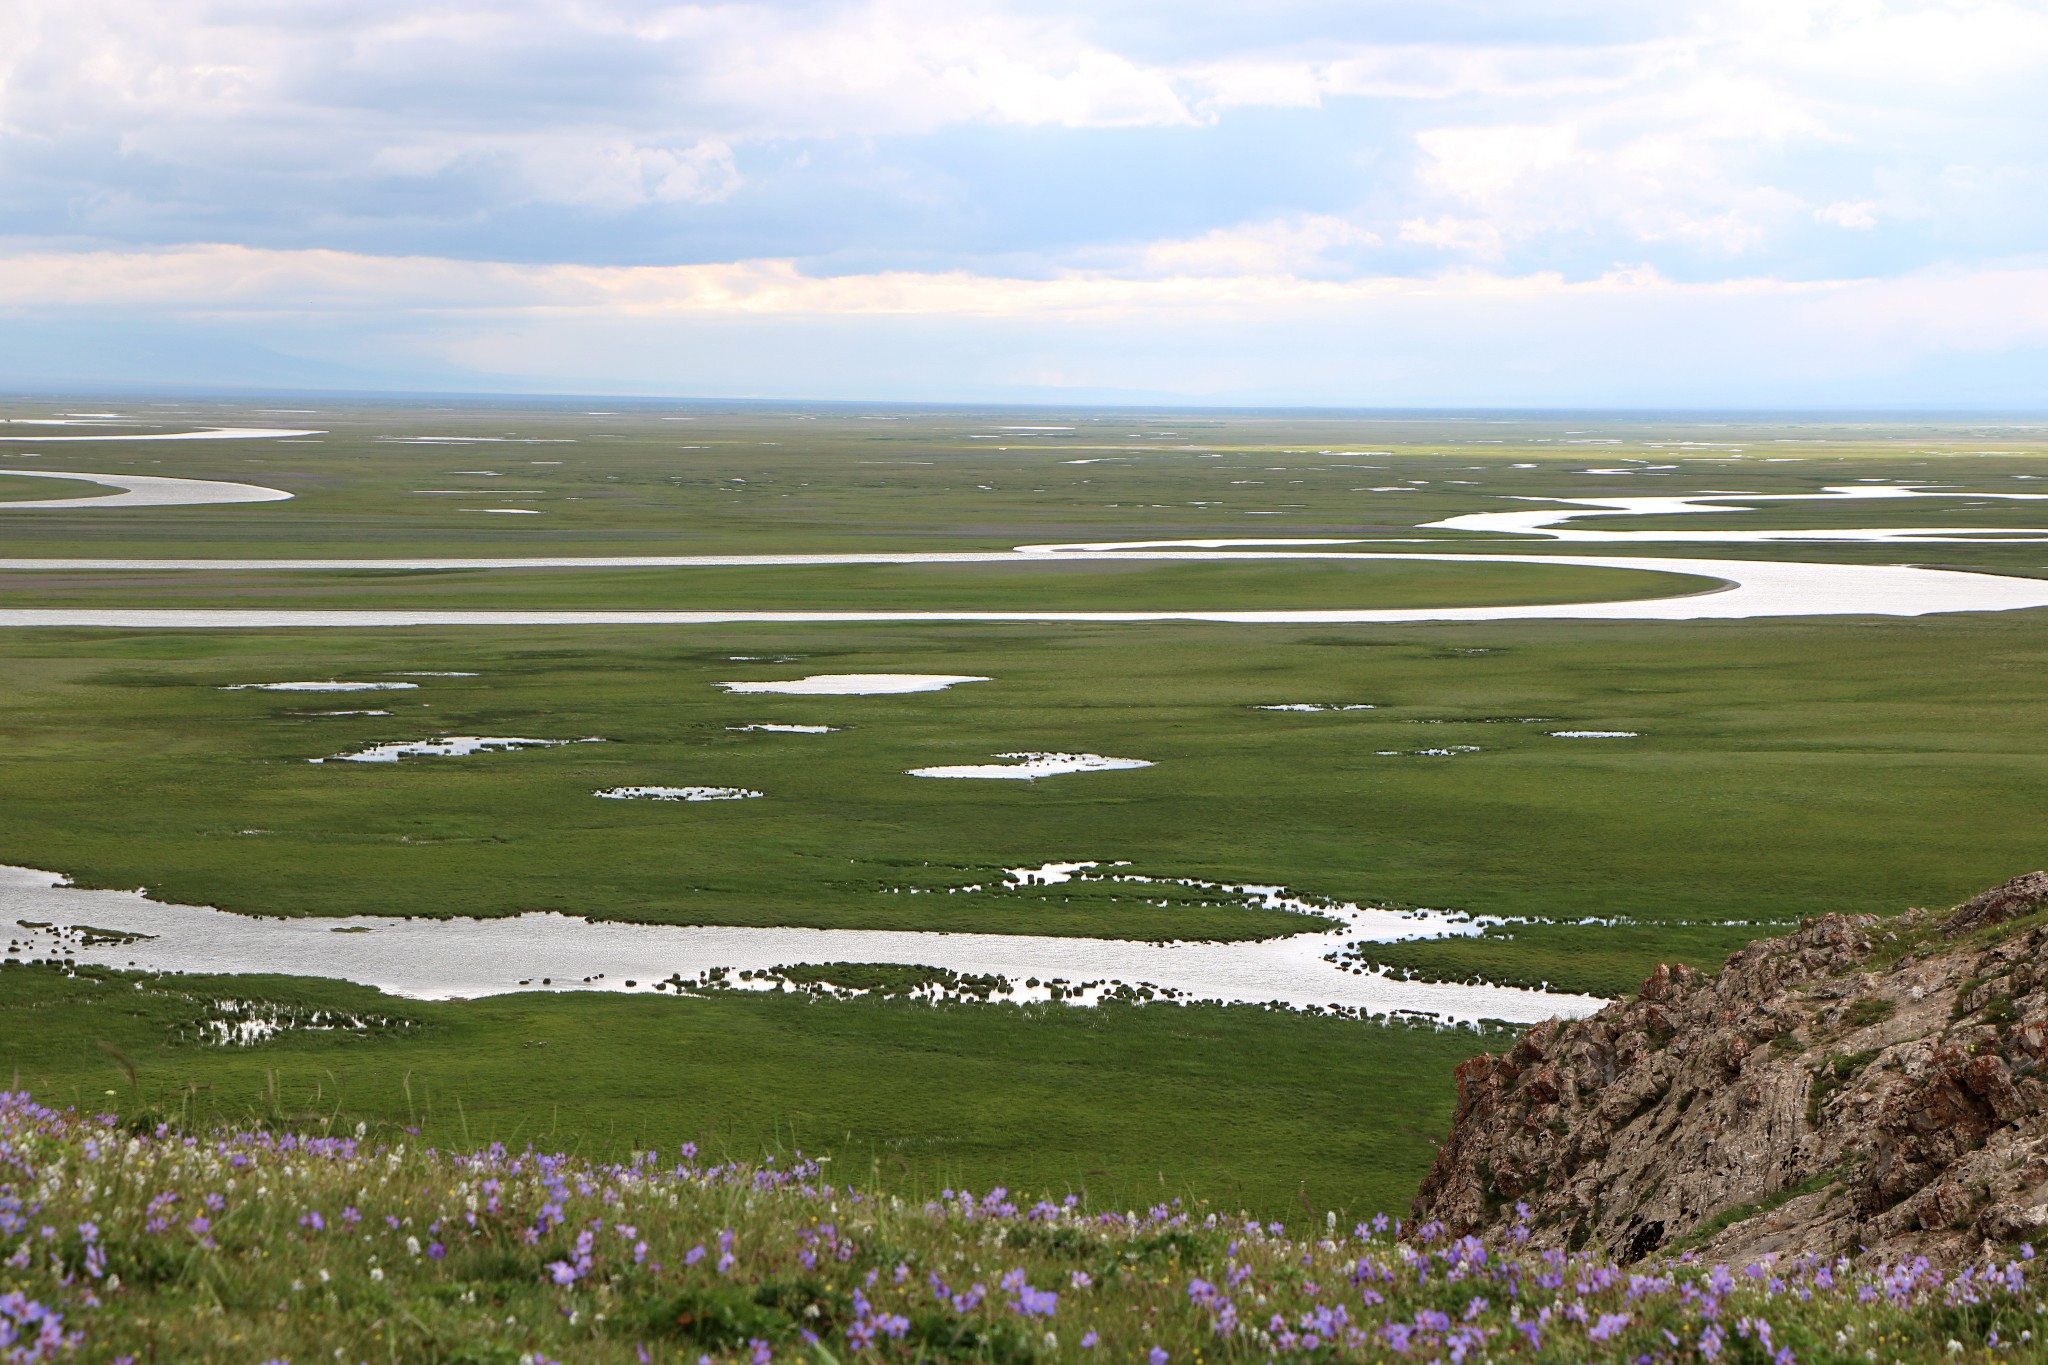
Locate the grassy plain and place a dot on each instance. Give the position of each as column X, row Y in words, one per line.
column 669, row 478
column 1029, row 584
column 1782, row 769
column 1094, row 1102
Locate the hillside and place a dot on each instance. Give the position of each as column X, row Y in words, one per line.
column 1862, row 1084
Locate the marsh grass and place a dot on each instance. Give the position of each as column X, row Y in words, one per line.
column 1786, row 768
column 1053, row 1098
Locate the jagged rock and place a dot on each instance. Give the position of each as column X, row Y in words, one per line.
column 2020, row 896
column 1939, row 1206
column 2014, row 1222
column 1862, row 1083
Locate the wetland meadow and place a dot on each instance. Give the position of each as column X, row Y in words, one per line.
column 965, row 795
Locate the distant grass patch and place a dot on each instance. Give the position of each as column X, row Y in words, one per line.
column 1786, row 769
column 1026, row 583
column 21, row 486
column 1589, row 959
column 1049, row 1098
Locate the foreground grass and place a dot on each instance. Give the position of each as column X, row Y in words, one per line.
column 151, row 1244
column 1333, row 1112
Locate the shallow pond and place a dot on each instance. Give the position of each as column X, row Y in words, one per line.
column 475, row 957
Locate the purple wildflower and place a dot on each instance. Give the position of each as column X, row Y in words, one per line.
column 1610, row 1324
column 31, row 1333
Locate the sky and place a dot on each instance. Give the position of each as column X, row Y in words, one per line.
column 1353, row 203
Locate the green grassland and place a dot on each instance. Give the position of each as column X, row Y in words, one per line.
column 1031, row 583
column 672, row 478
column 1089, row 1101
column 1603, row 959
column 1784, row 768
column 18, row 487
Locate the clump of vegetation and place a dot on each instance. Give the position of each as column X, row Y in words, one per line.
column 1871, row 1009
column 1592, row 957
column 883, row 980
column 260, row 1246
column 1736, row 1213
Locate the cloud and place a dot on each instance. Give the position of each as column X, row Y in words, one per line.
column 1476, row 237
column 1666, row 166
column 1987, row 308
column 401, row 124
column 988, row 166
column 1859, row 214
column 1299, row 245
column 767, row 327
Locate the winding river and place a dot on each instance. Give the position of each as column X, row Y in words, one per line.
column 441, row 958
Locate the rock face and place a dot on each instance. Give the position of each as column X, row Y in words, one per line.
column 1862, row 1083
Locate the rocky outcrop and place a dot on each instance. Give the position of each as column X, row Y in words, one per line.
column 2020, row 896
column 1863, row 1084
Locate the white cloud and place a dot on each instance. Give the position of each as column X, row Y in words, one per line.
column 1477, row 237
column 1030, row 158
column 617, row 173
column 897, row 66
column 1629, row 338
column 1282, row 246
column 767, row 327
column 1905, row 44
column 1860, row 214
column 1491, row 168
column 1988, row 307
column 1666, row 167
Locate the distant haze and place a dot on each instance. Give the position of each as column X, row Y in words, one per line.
column 1338, row 202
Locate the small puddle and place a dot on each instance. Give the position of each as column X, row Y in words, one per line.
column 676, row 794
column 1029, row 767
column 322, row 687
column 856, row 684
column 1315, row 706
column 451, row 746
